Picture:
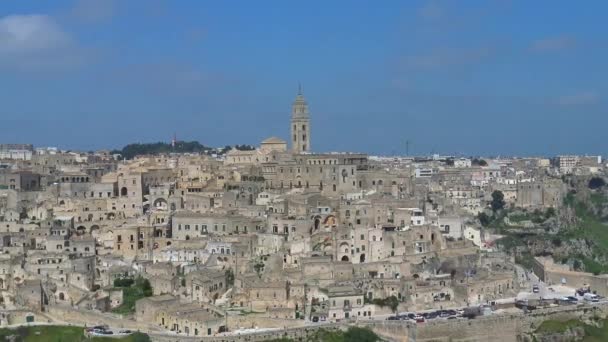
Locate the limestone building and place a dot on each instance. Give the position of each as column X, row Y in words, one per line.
column 300, row 124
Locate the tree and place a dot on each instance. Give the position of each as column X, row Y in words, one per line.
column 484, row 219
column 498, row 200
column 480, row 162
column 596, row 183
column 229, row 277
column 356, row 334
column 123, row 282
column 392, row 302
column 144, row 285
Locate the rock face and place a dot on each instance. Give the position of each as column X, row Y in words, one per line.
column 571, row 335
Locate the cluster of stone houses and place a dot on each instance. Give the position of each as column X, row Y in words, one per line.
column 267, row 237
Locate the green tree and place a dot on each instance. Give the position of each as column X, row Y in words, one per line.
column 596, row 183
column 229, row 277
column 123, row 282
column 144, row 285
column 480, row 162
column 392, row 302
column 498, row 200
column 356, row 334
column 484, row 219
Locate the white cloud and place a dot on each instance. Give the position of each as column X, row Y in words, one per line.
column 582, row 98
column 36, row 42
column 553, row 44
column 25, row 34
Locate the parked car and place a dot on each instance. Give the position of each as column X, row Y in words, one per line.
column 591, row 297
column 535, row 289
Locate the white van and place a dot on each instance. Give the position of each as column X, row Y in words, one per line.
column 590, row 297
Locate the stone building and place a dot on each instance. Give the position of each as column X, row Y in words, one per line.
column 300, row 124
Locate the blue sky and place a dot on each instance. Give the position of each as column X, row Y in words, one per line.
column 466, row 77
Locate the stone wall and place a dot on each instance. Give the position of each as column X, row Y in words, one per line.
column 258, row 320
column 91, row 318
column 496, row 328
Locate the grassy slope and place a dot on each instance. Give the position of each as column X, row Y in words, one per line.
column 592, row 334
column 45, row 333
column 593, row 229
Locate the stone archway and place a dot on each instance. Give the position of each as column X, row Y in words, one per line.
column 345, row 258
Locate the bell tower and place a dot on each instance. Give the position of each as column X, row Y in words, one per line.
column 300, row 124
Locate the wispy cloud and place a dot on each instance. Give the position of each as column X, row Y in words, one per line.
column 581, row 98
column 558, row 43
column 21, row 34
column 36, row 42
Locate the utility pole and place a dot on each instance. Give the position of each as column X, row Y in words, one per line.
column 407, row 148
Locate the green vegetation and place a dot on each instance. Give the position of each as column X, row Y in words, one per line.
column 392, row 302
column 536, row 216
column 592, row 333
column 498, row 200
column 479, row 162
column 229, row 277
column 353, row 334
column 590, row 228
column 139, row 289
column 123, row 282
column 484, row 219
column 596, row 183
column 132, row 150
column 52, row 333
column 259, row 267
column 557, row 327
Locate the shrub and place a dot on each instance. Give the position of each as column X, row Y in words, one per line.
column 123, row 282
column 596, row 183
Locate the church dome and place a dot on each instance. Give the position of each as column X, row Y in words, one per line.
column 274, row 140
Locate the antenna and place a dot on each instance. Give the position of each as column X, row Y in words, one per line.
column 407, row 148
